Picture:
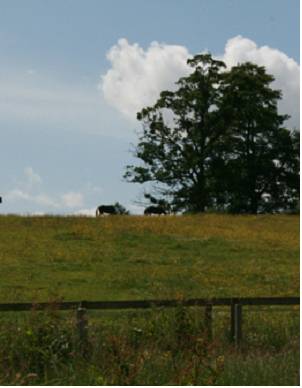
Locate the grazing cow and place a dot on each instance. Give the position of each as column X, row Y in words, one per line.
column 105, row 209
column 154, row 210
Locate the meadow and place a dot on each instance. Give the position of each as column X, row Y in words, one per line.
column 136, row 257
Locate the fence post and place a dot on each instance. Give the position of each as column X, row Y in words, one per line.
column 208, row 321
column 238, row 323
column 82, row 327
column 232, row 332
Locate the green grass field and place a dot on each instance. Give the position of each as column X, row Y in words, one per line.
column 133, row 257
column 124, row 257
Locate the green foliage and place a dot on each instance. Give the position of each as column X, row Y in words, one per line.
column 218, row 142
column 263, row 154
column 176, row 150
column 157, row 347
column 38, row 345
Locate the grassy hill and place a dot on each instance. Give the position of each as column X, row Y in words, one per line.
column 132, row 257
column 123, row 257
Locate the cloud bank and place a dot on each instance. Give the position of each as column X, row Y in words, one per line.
column 28, row 194
column 28, row 191
column 137, row 76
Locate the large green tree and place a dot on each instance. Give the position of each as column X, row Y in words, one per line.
column 218, row 142
column 178, row 137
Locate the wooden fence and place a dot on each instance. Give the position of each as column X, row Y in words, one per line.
column 236, row 309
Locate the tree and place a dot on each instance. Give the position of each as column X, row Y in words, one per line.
column 218, row 142
column 178, row 138
column 262, row 162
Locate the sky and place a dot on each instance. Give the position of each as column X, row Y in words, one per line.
column 73, row 74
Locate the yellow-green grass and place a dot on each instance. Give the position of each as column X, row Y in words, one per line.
column 136, row 257
column 110, row 258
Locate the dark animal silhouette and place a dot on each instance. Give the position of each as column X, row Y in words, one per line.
column 154, row 210
column 105, row 209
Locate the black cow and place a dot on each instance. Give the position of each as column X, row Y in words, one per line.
column 154, row 210
column 105, row 209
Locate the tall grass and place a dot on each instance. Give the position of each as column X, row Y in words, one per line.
column 157, row 347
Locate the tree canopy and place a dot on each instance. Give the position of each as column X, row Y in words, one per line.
column 218, row 142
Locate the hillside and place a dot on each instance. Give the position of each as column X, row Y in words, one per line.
column 123, row 257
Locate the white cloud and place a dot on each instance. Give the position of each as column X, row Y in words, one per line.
column 16, row 194
column 28, row 190
column 137, row 76
column 38, row 199
column 72, row 199
column 69, row 200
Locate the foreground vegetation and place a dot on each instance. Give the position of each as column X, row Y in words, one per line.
column 110, row 258
column 149, row 348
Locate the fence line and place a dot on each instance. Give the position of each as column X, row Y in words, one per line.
column 143, row 304
column 235, row 304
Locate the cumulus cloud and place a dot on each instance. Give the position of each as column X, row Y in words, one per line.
column 137, row 76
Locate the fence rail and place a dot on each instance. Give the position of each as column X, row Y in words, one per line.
column 235, row 304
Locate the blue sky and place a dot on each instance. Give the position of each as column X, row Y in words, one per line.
column 73, row 73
